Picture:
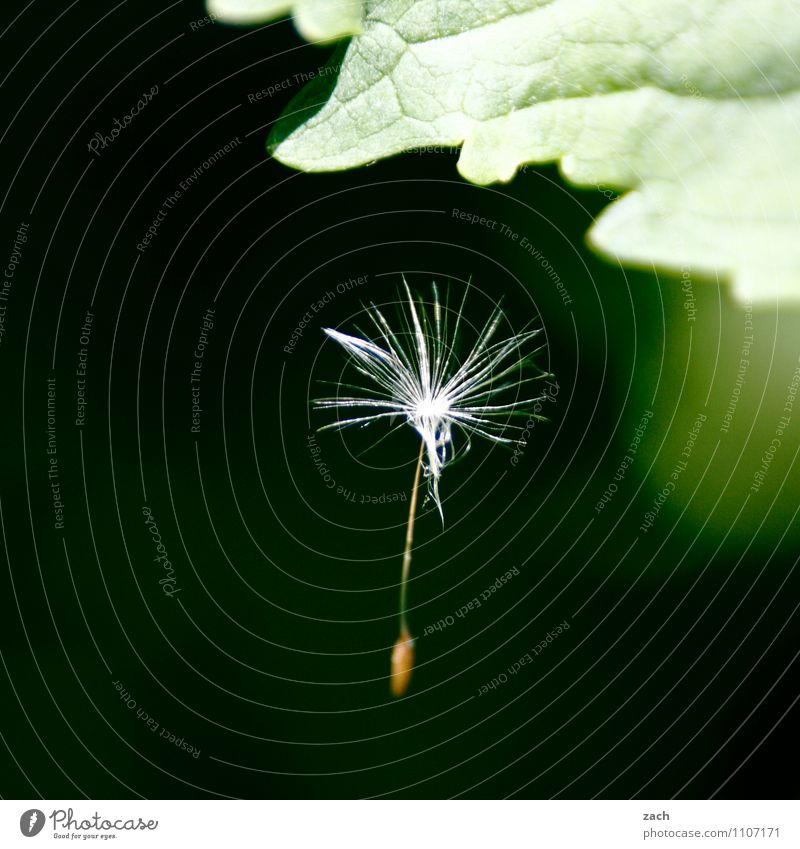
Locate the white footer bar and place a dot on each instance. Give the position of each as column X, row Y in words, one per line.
column 401, row 824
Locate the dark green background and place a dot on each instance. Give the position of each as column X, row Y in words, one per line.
column 678, row 675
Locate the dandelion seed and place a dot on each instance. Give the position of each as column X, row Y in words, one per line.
column 416, row 375
column 402, row 662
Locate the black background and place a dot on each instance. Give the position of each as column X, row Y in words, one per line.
column 678, row 674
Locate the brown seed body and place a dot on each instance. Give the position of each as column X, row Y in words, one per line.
column 402, row 663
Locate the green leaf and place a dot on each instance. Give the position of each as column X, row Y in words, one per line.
column 316, row 20
column 692, row 105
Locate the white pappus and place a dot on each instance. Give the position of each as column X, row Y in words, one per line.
column 416, row 373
